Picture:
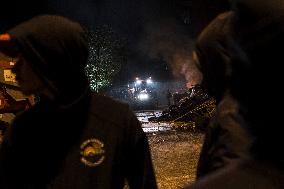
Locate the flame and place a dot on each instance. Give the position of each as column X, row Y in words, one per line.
column 5, row 37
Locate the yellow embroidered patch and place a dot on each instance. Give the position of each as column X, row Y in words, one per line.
column 92, row 152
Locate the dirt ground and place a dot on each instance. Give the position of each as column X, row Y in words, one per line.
column 175, row 156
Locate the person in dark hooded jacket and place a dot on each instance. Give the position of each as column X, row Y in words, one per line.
column 227, row 138
column 247, row 52
column 72, row 138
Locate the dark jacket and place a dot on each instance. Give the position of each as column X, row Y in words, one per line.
column 227, row 138
column 244, row 174
column 89, row 146
column 80, row 140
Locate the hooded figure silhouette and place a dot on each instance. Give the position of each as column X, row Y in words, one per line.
column 240, row 54
column 71, row 138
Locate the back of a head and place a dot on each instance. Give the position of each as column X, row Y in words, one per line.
column 242, row 51
column 255, row 83
column 210, row 56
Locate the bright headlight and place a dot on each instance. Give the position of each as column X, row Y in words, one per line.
column 143, row 96
column 138, row 82
column 149, row 81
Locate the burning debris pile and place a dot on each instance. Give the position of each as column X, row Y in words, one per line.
column 191, row 110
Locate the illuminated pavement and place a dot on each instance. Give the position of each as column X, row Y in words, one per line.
column 149, row 127
column 174, row 154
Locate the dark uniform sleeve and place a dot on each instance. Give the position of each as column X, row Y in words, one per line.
column 3, row 149
column 139, row 171
column 10, row 164
column 227, row 139
column 205, row 164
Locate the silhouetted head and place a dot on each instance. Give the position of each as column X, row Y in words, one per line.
column 52, row 47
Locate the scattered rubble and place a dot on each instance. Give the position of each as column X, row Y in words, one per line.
column 192, row 110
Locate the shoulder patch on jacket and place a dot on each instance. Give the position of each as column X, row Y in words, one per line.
column 92, row 152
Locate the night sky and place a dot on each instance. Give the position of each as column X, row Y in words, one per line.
column 160, row 33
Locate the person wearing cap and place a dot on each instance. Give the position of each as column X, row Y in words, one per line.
column 72, row 138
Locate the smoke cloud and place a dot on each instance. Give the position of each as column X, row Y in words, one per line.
column 170, row 41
